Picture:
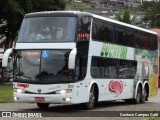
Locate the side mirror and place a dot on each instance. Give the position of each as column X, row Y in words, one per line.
column 6, row 55
column 72, row 58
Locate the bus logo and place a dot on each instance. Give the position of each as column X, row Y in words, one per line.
column 114, row 51
column 116, row 87
column 39, row 90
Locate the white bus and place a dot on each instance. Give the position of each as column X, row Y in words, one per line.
column 69, row 57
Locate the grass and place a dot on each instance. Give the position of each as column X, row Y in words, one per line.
column 6, row 93
column 157, row 118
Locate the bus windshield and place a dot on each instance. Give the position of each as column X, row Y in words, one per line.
column 42, row 66
column 48, row 29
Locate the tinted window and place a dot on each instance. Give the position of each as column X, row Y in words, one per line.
column 98, row 30
column 48, row 29
column 117, row 34
column 130, row 37
column 113, row 68
column 102, row 31
column 120, row 35
column 42, row 66
column 82, row 54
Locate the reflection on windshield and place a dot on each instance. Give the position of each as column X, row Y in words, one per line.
column 46, row 66
column 45, row 29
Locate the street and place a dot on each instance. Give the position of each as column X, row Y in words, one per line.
column 74, row 112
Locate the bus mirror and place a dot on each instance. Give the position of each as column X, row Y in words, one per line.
column 6, row 55
column 10, row 64
column 72, row 58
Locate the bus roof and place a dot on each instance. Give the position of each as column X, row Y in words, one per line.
column 79, row 13
column 58, row 13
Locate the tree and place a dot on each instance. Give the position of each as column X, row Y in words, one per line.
column 9, row 15
column 157, row 20
column 146, row 5
column 152, row 14
column 12, row 12
column 126, row 17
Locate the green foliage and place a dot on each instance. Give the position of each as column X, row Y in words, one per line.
column 126, row 17
column 93, row 5
column 6, row 93
column 47, row 5
column 12, row 12
column 153, row 13
column 153, row 118
column 157, row 20
column 146, row 5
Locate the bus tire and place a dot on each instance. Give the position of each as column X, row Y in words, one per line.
column 144, row 95
column 43, row 105
column 138, row 96
column 92, row 99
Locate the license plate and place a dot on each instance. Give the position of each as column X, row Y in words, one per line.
column 39, row 99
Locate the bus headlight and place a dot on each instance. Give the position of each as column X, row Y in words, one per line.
column 67, row 99
column 63, row 91
column 19, row 90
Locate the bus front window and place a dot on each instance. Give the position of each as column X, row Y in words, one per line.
column 48, row 29
column 42, row 66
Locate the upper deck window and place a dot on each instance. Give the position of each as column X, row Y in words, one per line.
column 48, row 29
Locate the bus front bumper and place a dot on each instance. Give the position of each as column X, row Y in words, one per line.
column 42, row 98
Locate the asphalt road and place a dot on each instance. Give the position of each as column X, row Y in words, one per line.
column 103, row 110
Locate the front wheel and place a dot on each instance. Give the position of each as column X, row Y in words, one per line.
column 43, row 105
column 91, row 103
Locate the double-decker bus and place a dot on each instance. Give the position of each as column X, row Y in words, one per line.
column 71, row 57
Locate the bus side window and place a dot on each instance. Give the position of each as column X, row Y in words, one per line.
column 130, row 38
column 120, row 35
column 95, row 68
column 110, row 33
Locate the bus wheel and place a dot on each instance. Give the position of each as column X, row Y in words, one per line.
column 43, row 105
column 90, row 104
column 138, row 97
column 144, row 95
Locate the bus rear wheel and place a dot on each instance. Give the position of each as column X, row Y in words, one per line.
column 144, row 95
column 43, row 105
column 92, row 99
column 136, row 100
column 138, row 96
